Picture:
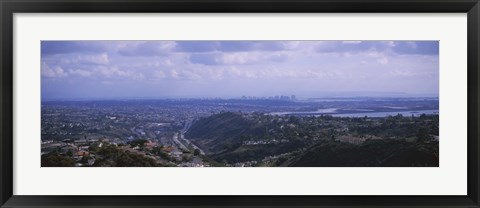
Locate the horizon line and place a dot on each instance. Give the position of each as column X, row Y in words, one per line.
column 231, row 98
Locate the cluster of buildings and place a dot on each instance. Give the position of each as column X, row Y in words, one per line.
column 262, row 142
column 80, row 150
column 277, row 97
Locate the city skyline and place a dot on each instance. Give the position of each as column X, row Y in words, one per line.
column 169, row 69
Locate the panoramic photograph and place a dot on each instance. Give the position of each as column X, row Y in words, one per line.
column 251, row 103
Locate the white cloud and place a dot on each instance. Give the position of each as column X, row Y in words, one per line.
column 412, row 44
column 146, row 48
column 238, row 58
column 381, row 57
column 159, row 74
column 352, row 42
column 167, row 62
column 138, row 76
column 52, row 72
column 98, row 59
column 174, row 74
column 391, row 44
column 382, row 60
column 112, row 71
column 189, row 75
column 80, row 72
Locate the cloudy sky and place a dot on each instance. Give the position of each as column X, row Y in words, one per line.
column 173, row 69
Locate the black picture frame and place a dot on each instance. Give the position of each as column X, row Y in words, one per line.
column 10, row 7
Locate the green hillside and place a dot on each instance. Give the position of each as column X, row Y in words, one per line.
column 263, row 140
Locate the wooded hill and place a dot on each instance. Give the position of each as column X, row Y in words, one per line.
column 324, row 141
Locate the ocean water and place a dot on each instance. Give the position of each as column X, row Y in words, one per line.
column 385, row 114
column 360, row 113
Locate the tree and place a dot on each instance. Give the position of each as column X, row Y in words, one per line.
column 293, row 119
column 134, row 160
column 423, row 135
column 186, row 158
column 196, row 152
column 94, row 147
column 55, row 160
column 399, row 116
column 138, row 142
